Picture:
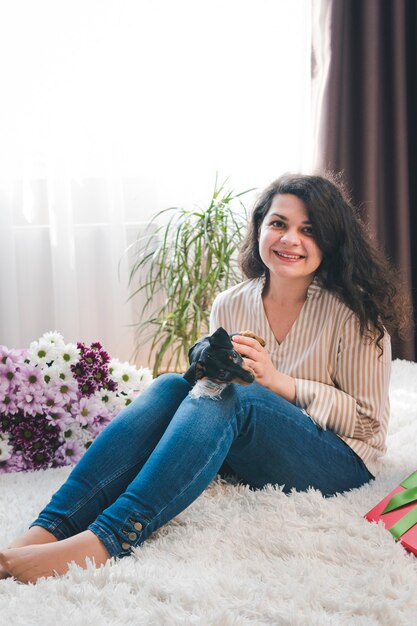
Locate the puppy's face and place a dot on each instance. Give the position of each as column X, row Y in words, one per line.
column 216, row 359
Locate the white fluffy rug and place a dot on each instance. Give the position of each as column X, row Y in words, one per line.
column 238, row 557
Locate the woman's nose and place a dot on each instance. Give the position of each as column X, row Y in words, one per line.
column 290, row 237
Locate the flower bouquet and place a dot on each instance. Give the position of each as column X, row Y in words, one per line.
column 55, row 398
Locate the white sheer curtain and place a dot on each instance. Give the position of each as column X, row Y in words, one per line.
column 113, row 109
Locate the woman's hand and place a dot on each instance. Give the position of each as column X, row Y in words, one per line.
column 258, row 359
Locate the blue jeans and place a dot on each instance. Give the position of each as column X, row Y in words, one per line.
column 158, row 455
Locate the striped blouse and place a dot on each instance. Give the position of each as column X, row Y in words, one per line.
column 340, row 379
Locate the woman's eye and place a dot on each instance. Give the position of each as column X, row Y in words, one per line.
column 277, row 224
column 309, row 231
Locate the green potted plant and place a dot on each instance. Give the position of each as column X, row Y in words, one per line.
column 185, row 259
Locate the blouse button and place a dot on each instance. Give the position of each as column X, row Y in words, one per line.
column 138, row 526
column 125, row 546
column 132, row 536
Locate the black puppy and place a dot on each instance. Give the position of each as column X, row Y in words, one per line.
column 214, row 359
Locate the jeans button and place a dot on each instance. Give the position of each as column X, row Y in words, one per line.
column 132, row 536
column 125, row 546
column 137, row 526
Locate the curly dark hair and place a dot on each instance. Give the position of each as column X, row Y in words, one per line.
column 352, row 267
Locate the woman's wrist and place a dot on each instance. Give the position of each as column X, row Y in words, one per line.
column 283, row 385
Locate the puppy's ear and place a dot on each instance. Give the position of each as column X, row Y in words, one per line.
column 220, row 339
column 194, row 351
column 190, row 352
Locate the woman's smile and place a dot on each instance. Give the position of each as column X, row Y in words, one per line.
column 288, row 258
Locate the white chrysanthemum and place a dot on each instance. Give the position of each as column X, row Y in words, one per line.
column 109, row 399
column 53, row 338
column 67, row 355
column 58, row 372
column 5, row 449
column 126, row 398
column 112, row 365
column 41, row 353
column 75, row 432
column 145, row 378
column 115, row 401
column 126, row 375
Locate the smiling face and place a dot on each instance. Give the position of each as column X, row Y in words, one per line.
column 286, row 240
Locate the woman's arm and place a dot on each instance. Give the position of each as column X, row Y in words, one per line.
column 354, row 406
column 266, row 374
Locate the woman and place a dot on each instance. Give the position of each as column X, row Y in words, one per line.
column 326, row 301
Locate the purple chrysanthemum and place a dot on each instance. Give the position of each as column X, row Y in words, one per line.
column 86, row 410
column 8, row 370
column 8, row 404
column 30, row 401
column 53, row 402
column 65, row 391
column 69, row 453
column 100, row 421
column 15, row 356
column 37, row 440
column 31, row 377
column 91, row 371
column 16, row 463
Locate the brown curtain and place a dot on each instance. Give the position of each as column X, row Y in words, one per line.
column 368, row 122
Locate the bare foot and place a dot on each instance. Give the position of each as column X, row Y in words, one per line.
column 34, row 535
column 29, row 563
column 4, row 573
